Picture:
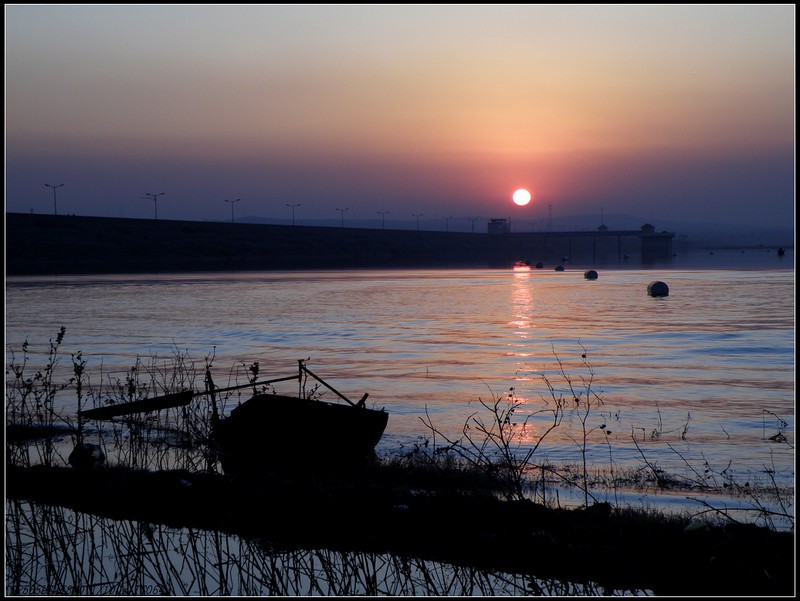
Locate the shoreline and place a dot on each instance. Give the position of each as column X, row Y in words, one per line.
column 374, row 512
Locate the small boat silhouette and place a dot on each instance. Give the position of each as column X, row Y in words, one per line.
column 274, row 432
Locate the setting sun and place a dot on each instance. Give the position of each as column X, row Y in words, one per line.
column 522, row 197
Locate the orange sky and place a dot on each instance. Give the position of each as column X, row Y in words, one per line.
column 402, row 108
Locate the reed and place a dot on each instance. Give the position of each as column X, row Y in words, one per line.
column 496, row 452
column 505, row 448
column 585, row 399
column 32, row 423
column 53, row 551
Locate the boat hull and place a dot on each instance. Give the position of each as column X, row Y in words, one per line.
column 274, row 432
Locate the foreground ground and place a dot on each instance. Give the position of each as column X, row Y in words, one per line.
column 381, row 510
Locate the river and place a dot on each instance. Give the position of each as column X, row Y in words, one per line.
column 700, row 379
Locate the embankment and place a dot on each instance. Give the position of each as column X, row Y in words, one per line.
column 50, row 244
column 369, row 512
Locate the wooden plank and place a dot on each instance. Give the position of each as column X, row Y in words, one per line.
column 178, row 399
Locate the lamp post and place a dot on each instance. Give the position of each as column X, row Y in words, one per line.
column 293, row 206
column 383, row 218
column 447, row 223
column 417, row 216
column 54, row 186
column 232, row 203
column 473, row 219
column 342, row 212
column 154, row 198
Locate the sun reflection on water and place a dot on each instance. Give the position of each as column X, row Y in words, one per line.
column 720, row 347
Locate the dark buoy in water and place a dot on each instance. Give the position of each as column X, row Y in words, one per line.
column 560, row 268
column 590, row 275
column 539, row 265
column 657, row 289
column 781, row 252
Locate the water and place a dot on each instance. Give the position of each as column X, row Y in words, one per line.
column 699, row 379
column 60, row 552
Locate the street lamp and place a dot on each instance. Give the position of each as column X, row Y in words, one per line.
column 54, row 186
column 293, row 206
column 232, row 202
column 447, row 223
column 342, row 212
column 473, row 219
column 154, row 198
column 383, row 218
column 417, row 216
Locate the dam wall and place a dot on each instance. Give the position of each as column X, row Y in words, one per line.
column 64, row 244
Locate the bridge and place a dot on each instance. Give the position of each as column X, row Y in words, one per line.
column 598, row 246
column 58, row 244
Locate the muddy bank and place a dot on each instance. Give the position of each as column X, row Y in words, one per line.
column 378, row 511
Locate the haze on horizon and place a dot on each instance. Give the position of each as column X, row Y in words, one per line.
column 679, row 113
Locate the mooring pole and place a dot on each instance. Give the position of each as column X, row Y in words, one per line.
column 324, row 383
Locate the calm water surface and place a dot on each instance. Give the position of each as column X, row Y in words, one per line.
column 705, row 374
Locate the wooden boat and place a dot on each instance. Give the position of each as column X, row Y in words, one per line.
column 274, row 432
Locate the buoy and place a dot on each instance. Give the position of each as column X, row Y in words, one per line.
column 560, row 268
column 657, row 289
column 590, row 275
column 539, row 265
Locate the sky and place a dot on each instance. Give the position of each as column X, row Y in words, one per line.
column 386, row 111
